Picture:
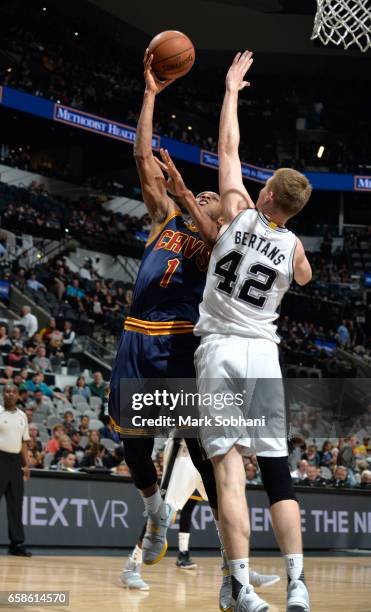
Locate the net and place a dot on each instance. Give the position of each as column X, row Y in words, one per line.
column 343, row 22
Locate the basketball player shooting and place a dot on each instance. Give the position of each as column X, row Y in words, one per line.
column 251, row 267
column 158, row 340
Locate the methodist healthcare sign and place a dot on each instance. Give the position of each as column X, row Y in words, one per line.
column 80, row 511
column 99, row 125
column 48, row 109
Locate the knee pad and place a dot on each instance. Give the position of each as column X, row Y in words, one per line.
column 137, row 452
column 276, row 478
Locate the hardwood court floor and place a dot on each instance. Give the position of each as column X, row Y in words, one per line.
column 335, row 583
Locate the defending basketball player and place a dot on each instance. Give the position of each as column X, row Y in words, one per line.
column 158, row 340
column 251, row 267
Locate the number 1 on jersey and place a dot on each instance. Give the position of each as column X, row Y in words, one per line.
column 172, row 265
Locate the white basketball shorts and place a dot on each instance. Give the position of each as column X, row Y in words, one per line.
column 249, row 367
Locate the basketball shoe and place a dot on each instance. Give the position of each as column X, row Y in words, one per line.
column 131, row 576
column 249, row 601
column 297, row 597
column 256, row 580
column 154, row 541
column 184, row 561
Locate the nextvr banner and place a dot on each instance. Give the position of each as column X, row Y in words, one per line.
column 109, row 513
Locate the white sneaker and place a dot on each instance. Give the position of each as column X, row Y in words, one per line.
column 297, row 597
column 249, row 601
column 154, row 545
column 258, row 580
column 225, row 595
column 131, row 576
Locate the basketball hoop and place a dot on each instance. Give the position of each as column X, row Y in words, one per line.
column 343, row 22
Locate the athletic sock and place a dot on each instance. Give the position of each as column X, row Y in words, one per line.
column 295, row 567
column 137, row 554
column 225, row 567
column 154, row 503
column 239, row 569
column 183, row 541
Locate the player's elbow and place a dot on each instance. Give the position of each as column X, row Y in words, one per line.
column 304, row 277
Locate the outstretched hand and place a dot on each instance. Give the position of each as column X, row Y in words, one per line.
column 153, row 84
column 236, row 73
column 174, row 184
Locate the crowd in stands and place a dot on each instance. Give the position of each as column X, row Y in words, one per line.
column 52, row 56
column 85, row 220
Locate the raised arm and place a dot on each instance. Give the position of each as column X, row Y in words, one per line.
column 158, row 203
column 302, row 267
column 207, row 227
column 232, row 190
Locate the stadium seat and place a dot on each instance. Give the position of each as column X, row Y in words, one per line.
column 78, row 399
column 84, row 441
column 95, row 424
column 56, row 364
column 95, row 403
column 73, row 367
column 52, row 420
column 48, row 460
column 82, row 407
column 91, row 414
column 109, row 444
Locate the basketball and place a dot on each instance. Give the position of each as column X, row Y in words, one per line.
column 173, row 54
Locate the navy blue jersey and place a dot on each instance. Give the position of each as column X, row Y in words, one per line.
column 172, row 275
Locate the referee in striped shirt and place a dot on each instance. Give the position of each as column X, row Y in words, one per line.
column 13, row 455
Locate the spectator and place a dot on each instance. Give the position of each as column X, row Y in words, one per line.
column 311, row 455
column 93, row 437
column 74, row 292
column 67, row 462
column 16, row 358
column 68, row 422
column 94, row 456
column 4, row 338
column 65, row 444
column 326, row 455
column 365, row 479
column 34, row 459
column 7, row 376
column 16, row 335
column 29, row 321
column 301, row 472
column 34, row 284
column 346, row 455
column 98, row 386
column 313, row 478
column 341, row 477
column 115, row 458
column 53, row 444
column 68, row 337
column 343, row 334
column 84, row 425
column 52, row 336
column 41, row 362
column 81, row 388
column 34, row 435
column 121, row 470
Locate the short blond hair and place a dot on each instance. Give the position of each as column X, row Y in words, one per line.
column 291, row 190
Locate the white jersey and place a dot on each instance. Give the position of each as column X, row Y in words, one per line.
column 251, row 268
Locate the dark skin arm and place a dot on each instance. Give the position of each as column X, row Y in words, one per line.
column 156, row 199
column 26, row 469
column 207, row 227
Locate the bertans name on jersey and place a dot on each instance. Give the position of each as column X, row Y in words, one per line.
column 205, row 421
column 261, row 245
